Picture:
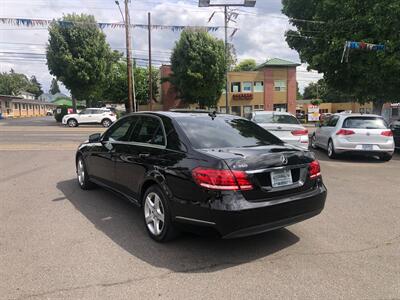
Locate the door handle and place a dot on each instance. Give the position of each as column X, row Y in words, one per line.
column 144, row 155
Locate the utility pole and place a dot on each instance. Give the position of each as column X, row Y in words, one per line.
column 150, row 78
column 128, row 59
column 226, row 60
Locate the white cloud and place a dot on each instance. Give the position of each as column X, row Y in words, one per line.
column 260, row 35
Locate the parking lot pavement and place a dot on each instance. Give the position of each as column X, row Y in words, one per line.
column 57, row 241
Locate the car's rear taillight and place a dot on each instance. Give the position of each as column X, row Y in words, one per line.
column 300, row 132
column 387, row 133
column 345, row 132
column 225, row 180
column 314, row 169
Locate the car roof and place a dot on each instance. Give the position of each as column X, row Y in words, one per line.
column 265, row 112
column 186, row 113
column 346, row 115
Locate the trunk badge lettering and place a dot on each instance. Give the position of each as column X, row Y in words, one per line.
column 284, row 160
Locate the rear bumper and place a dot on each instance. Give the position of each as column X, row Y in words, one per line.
column 233, row 216
column 342, row 146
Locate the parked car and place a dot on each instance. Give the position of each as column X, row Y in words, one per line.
column 283, row 125
column 354, row 133
column 204, row 169
column 102, row 116
column 395, row 127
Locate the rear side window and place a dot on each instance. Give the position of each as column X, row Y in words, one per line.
column 364, row 123
column 120, row 131
column 333, row 121
column 205, row 133
column 275, row 118
column 149, row 131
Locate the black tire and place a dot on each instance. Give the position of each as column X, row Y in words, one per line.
column 106, row 123
column 167, row 231
column 72, row 122
column 313, row 142
column 331, row 151
column 83, row 180
column 385, row 157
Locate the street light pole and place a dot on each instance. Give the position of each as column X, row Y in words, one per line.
column 246, row 3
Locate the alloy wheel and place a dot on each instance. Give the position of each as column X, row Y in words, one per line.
column 330, row 149
column 81, row 172
column 154, row 214
column 72, row 123
column 313, row 142
column 106, row 123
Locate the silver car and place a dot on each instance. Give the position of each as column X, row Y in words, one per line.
column 283, row 125
column 354, row 133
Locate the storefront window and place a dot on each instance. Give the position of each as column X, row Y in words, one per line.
column 258, row 86
column 236, row 110
column 235, row 87
column 247, row 86
column 280, row 107
column 247, row 111
column 280, row 85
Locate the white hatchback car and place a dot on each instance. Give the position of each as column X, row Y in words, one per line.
column 101, row 116
column 283, row 125
column 355, row 133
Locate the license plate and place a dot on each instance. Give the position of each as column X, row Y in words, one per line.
column 367, row 147
column 281, row 178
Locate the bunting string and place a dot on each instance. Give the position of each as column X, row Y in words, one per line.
column 45, row 23
column 349, row 45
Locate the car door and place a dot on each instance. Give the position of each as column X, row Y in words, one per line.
column 330, row 129
column 84, row 116
column 321, row 131
column 135, row 159
column 326, row 130
column 102, row 156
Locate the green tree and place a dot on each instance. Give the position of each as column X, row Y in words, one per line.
column 118, row 84
column 13, row 83
column 79, row 56
column 320, row 90
column 34, row 87
column 313, row 90
column 198, row 66
column 248, row 64
column 54, row 88
column 369, row 75
column 299, row 95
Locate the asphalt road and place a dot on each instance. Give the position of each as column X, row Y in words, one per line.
column 59, row 242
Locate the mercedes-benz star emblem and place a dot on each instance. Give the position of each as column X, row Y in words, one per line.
column 284, row 160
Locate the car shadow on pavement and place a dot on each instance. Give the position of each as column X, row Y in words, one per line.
column 122, row 222
column 349, row 158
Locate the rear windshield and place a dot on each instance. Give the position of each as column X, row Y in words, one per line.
column 205, row 133
column 364, row 123
column 278, row 119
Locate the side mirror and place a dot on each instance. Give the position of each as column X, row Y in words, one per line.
column 94, row 138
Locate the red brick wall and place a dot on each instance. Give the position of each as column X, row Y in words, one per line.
column 168, row 93
column 292, row 90
column 268, row 89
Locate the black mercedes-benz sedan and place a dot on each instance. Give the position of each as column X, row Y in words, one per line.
column 192, row 170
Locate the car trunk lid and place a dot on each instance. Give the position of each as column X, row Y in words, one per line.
column 274, row 171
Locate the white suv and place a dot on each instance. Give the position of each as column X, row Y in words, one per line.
column 101, row 116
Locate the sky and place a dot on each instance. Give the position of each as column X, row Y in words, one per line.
column 260, row 32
